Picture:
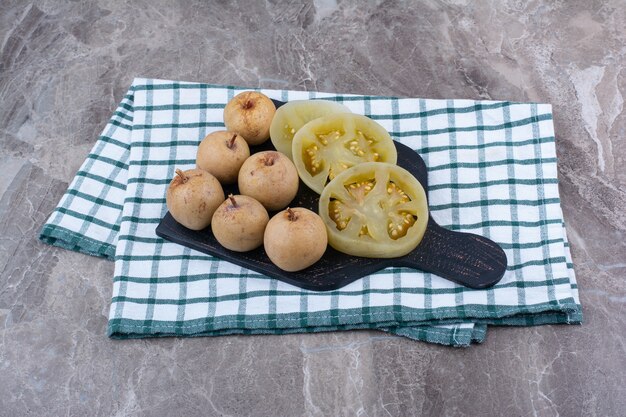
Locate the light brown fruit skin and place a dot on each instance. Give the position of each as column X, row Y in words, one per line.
column 269, row 177
column 222, row 157
column 240, row 226
column 293, row 245
column 250, row 114
column 193, row 202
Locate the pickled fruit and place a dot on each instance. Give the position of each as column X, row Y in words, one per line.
column 290, row 117
column 327, row 146
column 375, row 210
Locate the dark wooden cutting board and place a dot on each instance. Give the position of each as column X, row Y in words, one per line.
column 467, row 259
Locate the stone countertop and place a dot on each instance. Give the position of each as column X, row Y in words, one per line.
column 64, row 66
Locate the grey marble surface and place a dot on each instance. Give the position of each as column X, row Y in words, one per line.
column 65, row 65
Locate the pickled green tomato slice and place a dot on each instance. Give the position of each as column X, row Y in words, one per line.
column 374, row 210
column 290, row 117
column 325, row 147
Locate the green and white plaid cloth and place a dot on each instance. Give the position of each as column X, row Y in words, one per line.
column 492, row 171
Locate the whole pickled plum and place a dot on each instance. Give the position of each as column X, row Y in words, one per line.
column 295, row 239
column 250, row 115
column 269, row 177
column 221, row 154
column 192, row 198
column 239, row 223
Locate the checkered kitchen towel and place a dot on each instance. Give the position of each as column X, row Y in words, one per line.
column 492, row 171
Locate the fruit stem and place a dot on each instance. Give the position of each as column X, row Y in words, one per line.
column 270, row 158
column 181, row 174
column 232, row 200
column 248, row 104
column 231, row 142
column 291, row 215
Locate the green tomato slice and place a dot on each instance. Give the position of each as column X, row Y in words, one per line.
column 290, row 117
column 325, row 147
column 374, row 210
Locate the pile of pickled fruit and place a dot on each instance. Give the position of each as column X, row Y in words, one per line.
column 368, row 205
